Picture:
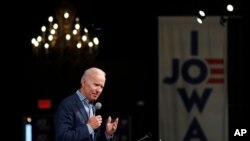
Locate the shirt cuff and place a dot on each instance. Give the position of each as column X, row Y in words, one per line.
column 90, row 129
column 108, row 137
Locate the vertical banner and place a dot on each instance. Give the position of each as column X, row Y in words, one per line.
column 192, row 79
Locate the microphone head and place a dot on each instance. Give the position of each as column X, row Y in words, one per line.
column 98, row 105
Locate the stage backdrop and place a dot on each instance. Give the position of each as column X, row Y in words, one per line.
column 192, row 79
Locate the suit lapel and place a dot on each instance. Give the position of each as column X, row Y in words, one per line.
column 83, row 116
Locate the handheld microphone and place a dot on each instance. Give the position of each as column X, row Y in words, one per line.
column 98, row 106
column 148, row 135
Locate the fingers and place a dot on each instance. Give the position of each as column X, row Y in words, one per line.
column 115, row 124
column 114, row 128
column 95, row 121
column 116, row 120
column 99, row 120
column 109, row 119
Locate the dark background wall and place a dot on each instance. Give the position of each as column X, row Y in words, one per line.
column 128, row 53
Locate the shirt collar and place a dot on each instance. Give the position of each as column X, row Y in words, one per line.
column 82, row 97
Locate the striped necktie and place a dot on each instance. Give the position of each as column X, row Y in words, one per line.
column 90, row 110
column 92, row 136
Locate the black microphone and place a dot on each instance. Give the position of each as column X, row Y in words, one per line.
column 148, row 135
column 98, row 106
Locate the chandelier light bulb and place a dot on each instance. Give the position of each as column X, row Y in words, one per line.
column 230, row 7
column 66, row 15
column 43, row 28
column 90, row 44
column 96, row 41
column 50, row 19
column 68, row 37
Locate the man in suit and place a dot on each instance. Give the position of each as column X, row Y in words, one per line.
column 75, row 118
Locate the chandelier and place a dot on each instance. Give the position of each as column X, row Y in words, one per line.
column 63, row 38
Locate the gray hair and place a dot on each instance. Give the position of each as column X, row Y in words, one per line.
column 89, row 72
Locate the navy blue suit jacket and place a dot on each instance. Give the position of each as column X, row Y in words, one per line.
column 71, row 122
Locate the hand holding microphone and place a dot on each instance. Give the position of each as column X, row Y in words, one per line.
column 95, row 121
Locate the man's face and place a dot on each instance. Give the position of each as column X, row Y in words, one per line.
column 94, row 86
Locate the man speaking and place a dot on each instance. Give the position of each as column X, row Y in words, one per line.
column 75, row 118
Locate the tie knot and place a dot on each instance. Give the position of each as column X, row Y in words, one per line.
column 86, row 101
